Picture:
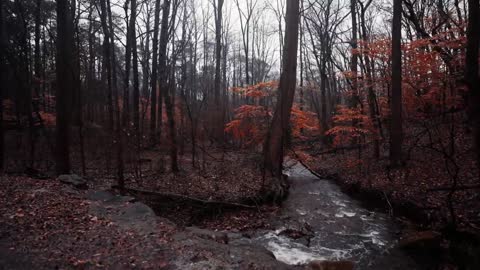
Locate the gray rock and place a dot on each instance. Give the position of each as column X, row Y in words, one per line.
column 138, row 211
column 73, row 180
column 220, row 237
column 99, row 195
column 201, row 253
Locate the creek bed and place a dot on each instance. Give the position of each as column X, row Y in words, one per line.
column 337, row 227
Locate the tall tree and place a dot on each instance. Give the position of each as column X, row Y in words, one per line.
column 3, row 68
column 245, row 20
column 277, row 134
column 218, row 6
column 164, row 85
column 128, row 63
column 472, row 70
column 396, row 132
column 218, row 48
column 354, row 42
column 65, row 79
column 369, row 74
column 136, row 83
column 154, row 80
column 38, row 64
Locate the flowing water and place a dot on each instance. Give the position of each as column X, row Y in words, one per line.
column 341, row 228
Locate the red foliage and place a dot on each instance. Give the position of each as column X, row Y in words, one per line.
column 350, row 124
column 49, row 119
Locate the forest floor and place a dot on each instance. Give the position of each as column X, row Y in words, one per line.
column 46, row 224
column 221, row 176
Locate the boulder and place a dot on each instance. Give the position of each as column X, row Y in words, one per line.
column 99, row 195
column 199, row 253
column 220, row 237
column 73, row 180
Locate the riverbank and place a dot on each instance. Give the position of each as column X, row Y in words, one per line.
column 48, row 225
column 419, row 196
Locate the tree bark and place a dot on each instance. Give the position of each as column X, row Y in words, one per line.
column 354, row 64
column 154, row 81
column 164, row 86
column 3, row 68
column 65, row 79
column 277, row 134
column 218, row 50
column 396, row 133
column 162, row 63
column 128, row 63
column 136, row 84
column 472, row 69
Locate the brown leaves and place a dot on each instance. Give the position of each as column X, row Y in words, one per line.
column 53, row 227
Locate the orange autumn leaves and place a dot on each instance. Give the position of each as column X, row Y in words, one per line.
column 251, row 121
column 430, row 86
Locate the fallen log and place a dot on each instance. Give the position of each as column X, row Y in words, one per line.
column 297, row 157
column 211, row 203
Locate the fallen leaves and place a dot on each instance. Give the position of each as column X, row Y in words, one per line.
column 54, row 229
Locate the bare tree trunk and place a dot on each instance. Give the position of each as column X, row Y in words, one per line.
column 154, row 81
column 472, row 69
column 118, row 131
column 38, row 63
column 218, row 49
column 396, row 133
column 277, row 134
column 65, row 79
column 145, row 75
column 128, row 62
column 162, row 63
column 107, row 74
column 218, row 76
column 164, row 87
column 3, row 67
column 369, row 74
column 136, row 84
column 354, row 64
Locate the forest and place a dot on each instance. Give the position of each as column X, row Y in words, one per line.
column 240, row 134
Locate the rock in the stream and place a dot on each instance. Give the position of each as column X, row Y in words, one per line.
column 220, row 237
column 330, row 265
column 201, row 252
column 73, row 180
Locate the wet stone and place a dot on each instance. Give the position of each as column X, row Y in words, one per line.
column 73, row 180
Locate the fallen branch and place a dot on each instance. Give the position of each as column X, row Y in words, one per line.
column 133, row 191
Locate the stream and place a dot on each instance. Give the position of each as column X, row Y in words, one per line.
column 341, row 228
